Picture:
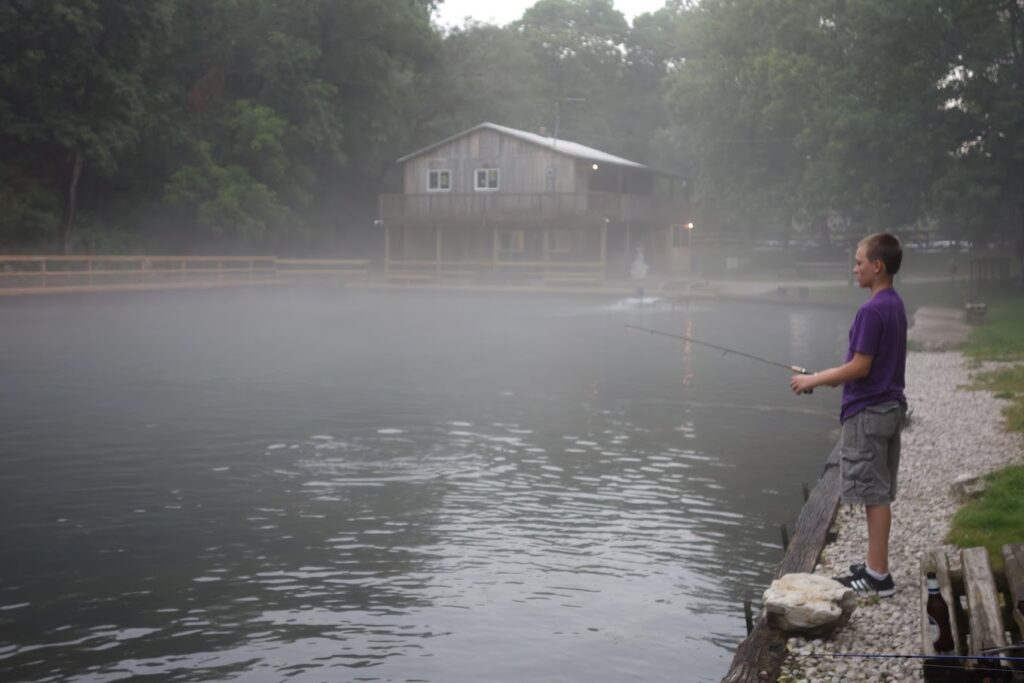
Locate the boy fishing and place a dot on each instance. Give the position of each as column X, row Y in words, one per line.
column 873, row 406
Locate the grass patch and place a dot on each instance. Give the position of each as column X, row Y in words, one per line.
column 1006, row 383
column 1002, row 338
column 994, row 519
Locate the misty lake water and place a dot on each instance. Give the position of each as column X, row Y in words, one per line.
column 335, row 485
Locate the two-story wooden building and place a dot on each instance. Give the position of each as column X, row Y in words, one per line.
column 497, row 202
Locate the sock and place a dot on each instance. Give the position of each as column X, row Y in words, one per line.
column 873, row 574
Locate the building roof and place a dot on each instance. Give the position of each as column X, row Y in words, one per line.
column 573, row 149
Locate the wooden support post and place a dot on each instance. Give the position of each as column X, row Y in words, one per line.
column 748, row 615
column 544, row 251
column 805, row 490
column 494, row 249
column 604, row 248
column 437, row 264
column 1013, row 562
column 785, row 535
column 986, row 622
column 629, row 246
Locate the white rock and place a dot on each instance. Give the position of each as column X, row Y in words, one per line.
column 808, row 604
column 967, row 487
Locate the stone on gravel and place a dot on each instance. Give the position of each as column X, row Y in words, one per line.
column 808, row 604
column 966, row 487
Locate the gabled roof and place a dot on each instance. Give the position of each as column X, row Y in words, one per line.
column 573, row 149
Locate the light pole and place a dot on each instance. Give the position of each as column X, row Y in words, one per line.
column 693, row 247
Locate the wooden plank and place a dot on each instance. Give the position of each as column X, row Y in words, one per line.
column 1013, row 561
column 316, row 272
column 935, row 560
column 984, row 617
column 150, row 286
column 139, row 273
column 764, row 650
column 323, row 262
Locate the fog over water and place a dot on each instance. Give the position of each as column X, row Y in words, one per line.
column 354, row 485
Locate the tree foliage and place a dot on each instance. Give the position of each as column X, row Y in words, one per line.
column 263, row 125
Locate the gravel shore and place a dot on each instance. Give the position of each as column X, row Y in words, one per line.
column 952, row 431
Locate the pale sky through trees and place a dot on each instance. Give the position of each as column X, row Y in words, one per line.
column 454, row 12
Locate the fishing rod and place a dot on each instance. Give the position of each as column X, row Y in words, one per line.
column 794, row 368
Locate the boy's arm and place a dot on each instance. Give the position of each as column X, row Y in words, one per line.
column 859, row 366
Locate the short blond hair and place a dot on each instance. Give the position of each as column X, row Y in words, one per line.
column 881, row 246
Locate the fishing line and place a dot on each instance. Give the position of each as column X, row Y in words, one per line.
column 794, row 368
column 879, row 655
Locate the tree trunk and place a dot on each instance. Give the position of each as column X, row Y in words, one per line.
column 71, row 201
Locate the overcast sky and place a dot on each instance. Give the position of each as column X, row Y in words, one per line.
column 453, row 12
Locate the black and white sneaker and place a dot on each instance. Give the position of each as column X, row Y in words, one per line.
column 864, row 584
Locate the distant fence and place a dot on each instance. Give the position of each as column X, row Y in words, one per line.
column 319, row 268
column 37, row 274
column 582, row 273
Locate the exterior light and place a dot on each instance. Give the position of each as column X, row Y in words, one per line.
column 689, row 226
column 595, row 167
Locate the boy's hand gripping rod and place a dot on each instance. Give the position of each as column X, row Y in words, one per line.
column 795, row 368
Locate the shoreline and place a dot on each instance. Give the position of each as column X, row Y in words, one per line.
column 953, row 431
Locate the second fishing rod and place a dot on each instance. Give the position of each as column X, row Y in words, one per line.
column 725, row 349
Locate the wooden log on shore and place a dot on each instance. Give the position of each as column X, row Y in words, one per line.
column 984, row 616
column 759, row 657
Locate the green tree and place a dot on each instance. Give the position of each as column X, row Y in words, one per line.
column 74, row 93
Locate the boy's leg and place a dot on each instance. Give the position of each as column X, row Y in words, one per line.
column 869, row 459
column 879, row 521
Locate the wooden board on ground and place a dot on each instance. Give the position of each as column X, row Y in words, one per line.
column 984, row 617
column 1013, row 562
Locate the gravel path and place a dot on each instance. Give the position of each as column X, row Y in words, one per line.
column 952, row 431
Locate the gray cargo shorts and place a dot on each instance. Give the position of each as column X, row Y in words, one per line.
column 869, row 455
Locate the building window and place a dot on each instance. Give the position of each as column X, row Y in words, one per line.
column 486, row 179
column 510, row 240
column 439, row 181
column 559, row 241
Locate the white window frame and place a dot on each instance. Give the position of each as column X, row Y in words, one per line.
column 517, row 239
column 487, row 179
column 439, row 172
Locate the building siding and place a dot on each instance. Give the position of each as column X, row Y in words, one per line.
column 524, row 167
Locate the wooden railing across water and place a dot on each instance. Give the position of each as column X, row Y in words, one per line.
column 39, row 273
column 582, row 273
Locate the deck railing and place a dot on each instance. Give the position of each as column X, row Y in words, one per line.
column 396, row 208
column 582, row 273
column 26, row 274
column 40, row 274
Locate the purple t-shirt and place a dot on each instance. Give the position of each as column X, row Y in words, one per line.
column 880, row 331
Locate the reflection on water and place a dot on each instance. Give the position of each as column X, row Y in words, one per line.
column 355, row 486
